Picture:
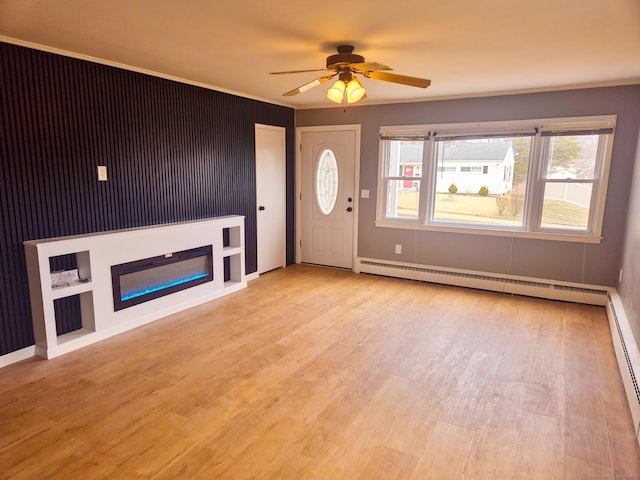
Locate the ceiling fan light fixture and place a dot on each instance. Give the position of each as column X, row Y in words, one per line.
column 348, row 89
column 336, row 92
column 355, row 91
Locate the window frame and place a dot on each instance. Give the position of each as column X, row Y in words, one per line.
column 539, row 130
column 385, row 160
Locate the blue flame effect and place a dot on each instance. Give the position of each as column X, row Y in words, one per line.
column 161, row 287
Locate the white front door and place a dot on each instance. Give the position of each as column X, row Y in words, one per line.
column 271, row 197
column 328, row 202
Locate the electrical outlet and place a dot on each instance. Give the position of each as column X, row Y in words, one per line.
column 398, row 248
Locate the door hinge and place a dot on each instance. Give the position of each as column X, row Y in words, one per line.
column 300, row 147
column 300, row 195
column 301, row 243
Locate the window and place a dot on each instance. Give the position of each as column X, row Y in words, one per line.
column 477, row 200
column 403, row 190
column 570, row 174
column 327, row 181
column 532, row 178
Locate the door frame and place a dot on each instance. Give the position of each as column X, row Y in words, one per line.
column 281, row 130
column 356, row 184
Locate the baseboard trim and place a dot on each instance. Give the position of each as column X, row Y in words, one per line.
column 533, row 287
column 627, row 355
column 17, row 356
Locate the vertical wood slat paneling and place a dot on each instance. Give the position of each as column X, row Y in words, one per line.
column 174, row 152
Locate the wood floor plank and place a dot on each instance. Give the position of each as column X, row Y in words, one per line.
column 586, row 435
column 540, row 449
column 388, row 464
column 579, row 468
column 408, row 418
column 545, row 379
column 517, row 357
column 321, row 374
column 625, row 452
column 471, row 399
column 446, row 452
column 494, row 454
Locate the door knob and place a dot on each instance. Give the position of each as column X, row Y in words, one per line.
column 261, row 207
column 349, row 209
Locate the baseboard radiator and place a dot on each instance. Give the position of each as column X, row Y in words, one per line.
column 593, row 295
column 627, row 355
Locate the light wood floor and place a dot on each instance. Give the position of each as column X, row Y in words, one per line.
column 315, row 373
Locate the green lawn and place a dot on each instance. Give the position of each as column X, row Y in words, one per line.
column 478, row 209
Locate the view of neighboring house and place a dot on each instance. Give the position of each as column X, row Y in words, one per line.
column 467, row 165
column 472, row 165
column 409, row 161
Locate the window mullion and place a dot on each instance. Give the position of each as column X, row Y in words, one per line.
column 536, row 184
column 426, row 186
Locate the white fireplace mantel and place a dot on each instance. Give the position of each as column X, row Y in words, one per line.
column 96, row 253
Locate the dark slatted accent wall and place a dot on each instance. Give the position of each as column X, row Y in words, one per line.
column 174, row 152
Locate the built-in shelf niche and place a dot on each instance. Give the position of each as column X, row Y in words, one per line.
column 70, row 277
column 233, row 259
column 69, row 270
column 74, row 315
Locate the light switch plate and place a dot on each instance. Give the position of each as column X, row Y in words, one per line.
column 364, row 193
column 102, row 173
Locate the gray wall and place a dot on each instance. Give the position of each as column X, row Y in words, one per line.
column 629, row 288
column 595, row 264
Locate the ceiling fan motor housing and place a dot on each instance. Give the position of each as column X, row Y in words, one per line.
column 344, row 57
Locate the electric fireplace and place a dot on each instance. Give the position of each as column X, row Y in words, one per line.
column 150, row 278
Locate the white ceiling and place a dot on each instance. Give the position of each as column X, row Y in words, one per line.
column 466, row 47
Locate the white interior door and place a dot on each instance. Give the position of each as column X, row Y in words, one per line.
column 271, row 197
column 328, row 200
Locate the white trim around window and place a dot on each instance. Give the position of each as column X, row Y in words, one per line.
column 547, row 178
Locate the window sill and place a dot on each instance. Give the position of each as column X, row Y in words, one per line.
column 553, row 236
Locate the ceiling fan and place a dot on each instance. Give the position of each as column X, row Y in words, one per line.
column 346, row 64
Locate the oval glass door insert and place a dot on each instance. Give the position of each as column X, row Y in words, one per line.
column 327, row 181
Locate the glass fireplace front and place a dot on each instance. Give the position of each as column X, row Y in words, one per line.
column 150, row 278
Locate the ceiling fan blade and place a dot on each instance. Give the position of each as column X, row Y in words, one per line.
column 308, row 86
column 369, row 67
column 395, row 78
column 299, row 71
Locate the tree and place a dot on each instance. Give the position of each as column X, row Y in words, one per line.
column 564, row 150
column 502, row 202
column 521, row 152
